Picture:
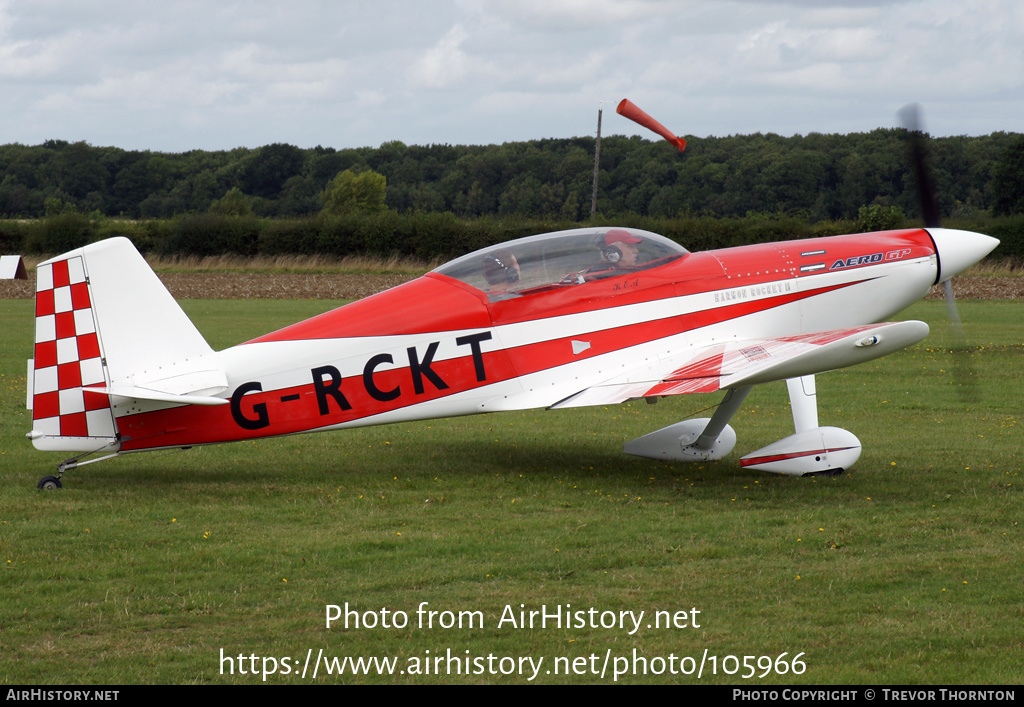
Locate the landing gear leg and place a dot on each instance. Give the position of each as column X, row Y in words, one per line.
column 696, row 440
column 53, row 482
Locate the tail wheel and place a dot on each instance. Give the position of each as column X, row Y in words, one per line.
column 49, row 482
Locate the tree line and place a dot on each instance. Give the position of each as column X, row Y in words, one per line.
column 439, row 201
column 819, row 177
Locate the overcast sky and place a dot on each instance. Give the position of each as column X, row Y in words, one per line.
column 177, row 75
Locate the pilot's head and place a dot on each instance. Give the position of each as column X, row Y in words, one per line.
column 620, row 248
column 501, row 268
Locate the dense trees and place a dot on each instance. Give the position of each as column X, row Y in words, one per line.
column 815, row 176
column 436, row 201
column 351, row 193
column 1008, row 181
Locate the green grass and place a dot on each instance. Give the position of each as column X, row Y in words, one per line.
column 905, row 571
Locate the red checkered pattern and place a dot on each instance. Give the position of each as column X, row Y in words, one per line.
column 67, row 356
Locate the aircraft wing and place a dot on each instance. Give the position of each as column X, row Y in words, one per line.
column 736, row 364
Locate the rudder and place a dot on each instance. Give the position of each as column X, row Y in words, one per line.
column 65, row 417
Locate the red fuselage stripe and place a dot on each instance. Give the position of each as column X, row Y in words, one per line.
column 309, row 406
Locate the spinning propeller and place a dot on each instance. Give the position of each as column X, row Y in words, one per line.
column 917, row 143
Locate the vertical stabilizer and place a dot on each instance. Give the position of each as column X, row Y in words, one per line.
column 106, row 324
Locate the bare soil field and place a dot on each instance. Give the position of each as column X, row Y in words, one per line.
column 233, row 285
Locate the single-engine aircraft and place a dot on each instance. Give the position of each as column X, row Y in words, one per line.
column 590, row 316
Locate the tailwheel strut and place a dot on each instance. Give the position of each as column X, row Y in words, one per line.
column 54, row 482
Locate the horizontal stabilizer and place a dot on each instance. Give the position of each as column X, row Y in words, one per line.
column 130, row 391
column 193, row 388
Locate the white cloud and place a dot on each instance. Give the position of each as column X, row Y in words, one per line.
column 563, row 15
column 183, row 73
column 444, row 64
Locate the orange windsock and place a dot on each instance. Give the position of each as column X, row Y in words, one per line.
column 629, row 110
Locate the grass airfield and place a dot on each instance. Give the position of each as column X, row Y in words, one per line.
column 150, row 568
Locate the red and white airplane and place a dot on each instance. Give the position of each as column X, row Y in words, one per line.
column 590, row 316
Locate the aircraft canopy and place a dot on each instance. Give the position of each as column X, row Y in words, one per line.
column 562, row 258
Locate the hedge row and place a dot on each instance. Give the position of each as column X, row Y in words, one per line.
column 427, row 236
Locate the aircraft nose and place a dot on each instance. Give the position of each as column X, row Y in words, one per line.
column 959, row 250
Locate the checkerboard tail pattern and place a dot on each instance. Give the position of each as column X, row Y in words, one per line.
column 68, row 357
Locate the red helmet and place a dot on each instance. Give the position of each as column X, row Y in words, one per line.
column 617, row 235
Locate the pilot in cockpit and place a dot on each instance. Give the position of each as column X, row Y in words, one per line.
column 501, row 270
column 619, row 250
column 619, row 254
